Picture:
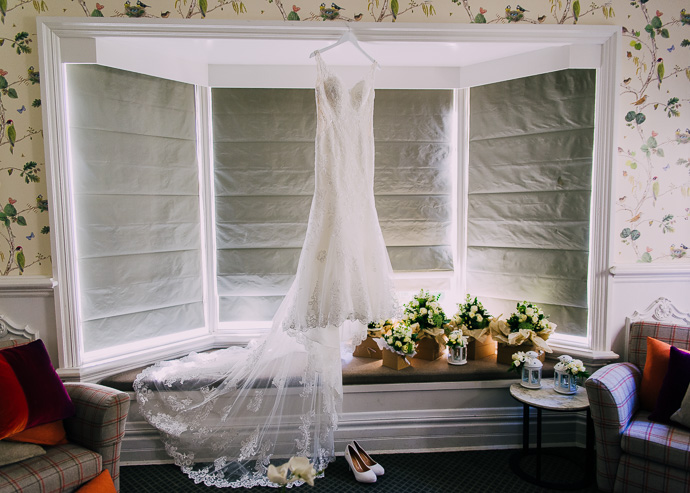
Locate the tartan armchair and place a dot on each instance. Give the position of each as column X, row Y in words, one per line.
column 95, row 435
column 633, row 453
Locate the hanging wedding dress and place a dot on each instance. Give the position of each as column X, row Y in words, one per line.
column 224, row 416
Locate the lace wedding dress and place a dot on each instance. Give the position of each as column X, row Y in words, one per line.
column 225, row 416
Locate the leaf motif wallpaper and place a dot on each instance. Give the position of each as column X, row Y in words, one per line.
column 652, row 172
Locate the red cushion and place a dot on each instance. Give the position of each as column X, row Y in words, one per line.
column 32, row 392
column 102, row 483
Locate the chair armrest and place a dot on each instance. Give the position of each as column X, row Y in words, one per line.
column 612, row 393
column 99, row 422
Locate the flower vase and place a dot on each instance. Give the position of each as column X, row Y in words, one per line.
column 394, row 360
column 429, row 349
column 505, row 352
column 457, row 355
column 564, row 383
column 368, row 349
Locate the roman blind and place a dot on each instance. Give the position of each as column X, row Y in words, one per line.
column 530, row 172
column 136, row 205
column 263, row 147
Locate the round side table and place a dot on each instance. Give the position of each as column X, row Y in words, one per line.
column 547, row 398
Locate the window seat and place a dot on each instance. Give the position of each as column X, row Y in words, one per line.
column 367, row 371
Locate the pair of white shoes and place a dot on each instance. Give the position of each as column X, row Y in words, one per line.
column 361, row 464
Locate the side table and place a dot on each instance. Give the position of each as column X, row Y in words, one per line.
column 547, row 398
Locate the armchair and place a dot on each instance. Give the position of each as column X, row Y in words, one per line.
column 633, row 453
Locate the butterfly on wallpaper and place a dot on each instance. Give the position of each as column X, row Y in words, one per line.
column 673, row 47
column 11, row 201
column 21, row 110
column 31, row 236
column 667, row 167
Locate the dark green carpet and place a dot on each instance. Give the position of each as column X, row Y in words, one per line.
column 477, row 471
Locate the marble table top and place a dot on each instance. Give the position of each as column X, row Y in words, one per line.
column 547, row 398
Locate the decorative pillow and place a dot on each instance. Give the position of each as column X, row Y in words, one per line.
column 32, row 393
column 14, row 452
column 47, row 434
column 655, row 368
column 103, row 483
column 682, row 415
column 674, row 387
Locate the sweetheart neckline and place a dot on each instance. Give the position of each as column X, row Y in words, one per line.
column 328, row 70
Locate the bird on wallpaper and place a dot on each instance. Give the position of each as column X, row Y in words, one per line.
column 660, row 70
column 684, row 17
column 41, row 203
column 11, row 133
column 336, row 7
column 21, row 260
column 141, row 4
column 513, row 15
column 34, row 76
column 395, row 7
column 576, row 10
column 134, row 10
column 521, row 9
column 328, row 13
column 203, row 7
column 678, row 252
column 682, row 137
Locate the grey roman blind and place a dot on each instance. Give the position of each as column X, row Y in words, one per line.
column 263, row 145
column 136, row 205
column 530, row 172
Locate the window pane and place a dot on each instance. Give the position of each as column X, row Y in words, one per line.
column 530, row 172
column 263, row 145
column 136, row 205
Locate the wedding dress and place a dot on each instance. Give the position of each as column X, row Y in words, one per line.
column 225, row 416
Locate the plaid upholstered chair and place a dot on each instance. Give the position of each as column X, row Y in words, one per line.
column 633, row 453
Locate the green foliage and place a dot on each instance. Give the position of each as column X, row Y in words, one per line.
column 96, row 13
column 685, row 43
column 646, row 257
column 11, row 92
column 638, row 118
column 667, row 224
column 30, row 172
column 292, row 16
column 672, row 107
column 3, row 82
column 36, row 103
column 632, row 234
column 652, row 147
column 21, row 43
column 45, row 230
column 480, row 19
column 9, row 215
column 654, row 28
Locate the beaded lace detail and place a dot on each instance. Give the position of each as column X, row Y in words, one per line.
column 225, row 416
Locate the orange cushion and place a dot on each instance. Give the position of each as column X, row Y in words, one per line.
column 47, row 434
column 655, row 369
column 102, row 483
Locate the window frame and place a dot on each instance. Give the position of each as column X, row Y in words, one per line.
column 65, row 40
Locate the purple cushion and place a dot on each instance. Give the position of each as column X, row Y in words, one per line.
column 674, row 386
column 45, row 397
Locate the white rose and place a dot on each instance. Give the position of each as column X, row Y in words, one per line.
column 529, row 311
column 522, row 317
column 535, row 319
column 422, row 311
column 414, row 326
column 415, row 303
column 302, row 468
column 479, row 317
column 277, row 475
column 473, row 308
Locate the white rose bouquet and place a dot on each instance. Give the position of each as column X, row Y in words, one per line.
column 400, row 339
column 574, row 367
column 472, row 319
column 377, row 329
column 519, row 360
column 296, row 469
column 456, row 339
column 425, row 316
column 527, row 324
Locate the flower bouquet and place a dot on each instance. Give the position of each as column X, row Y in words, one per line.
column 566, row 374
column 398, row 344
column 473, row 320
column 296, row 469
column 426, row 318
column 368, row 348
column 527, row 329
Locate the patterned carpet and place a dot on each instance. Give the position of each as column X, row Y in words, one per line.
column 477, row 471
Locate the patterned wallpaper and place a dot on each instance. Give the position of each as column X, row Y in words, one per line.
column 652, row 201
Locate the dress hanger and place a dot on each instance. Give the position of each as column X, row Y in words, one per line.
column 349, row 36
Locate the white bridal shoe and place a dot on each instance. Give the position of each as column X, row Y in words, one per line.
column 370, row 463
column 361, row 471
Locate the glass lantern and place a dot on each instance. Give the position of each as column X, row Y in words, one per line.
column 457, row 355
column 564, row 382
column 531, row 371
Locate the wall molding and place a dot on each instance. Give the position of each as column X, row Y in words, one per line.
column 673, row 271
column 13, row 286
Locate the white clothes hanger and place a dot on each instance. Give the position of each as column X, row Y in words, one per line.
column 350, row 37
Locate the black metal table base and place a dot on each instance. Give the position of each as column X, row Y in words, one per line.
column 516, row 459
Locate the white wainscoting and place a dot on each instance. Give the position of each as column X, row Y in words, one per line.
column 404, row 418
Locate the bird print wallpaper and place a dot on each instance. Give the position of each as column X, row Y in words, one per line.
column 652, row 170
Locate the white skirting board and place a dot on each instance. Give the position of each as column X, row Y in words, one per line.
column 407, row 418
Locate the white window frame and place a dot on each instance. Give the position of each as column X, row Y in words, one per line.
column 547, row 48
